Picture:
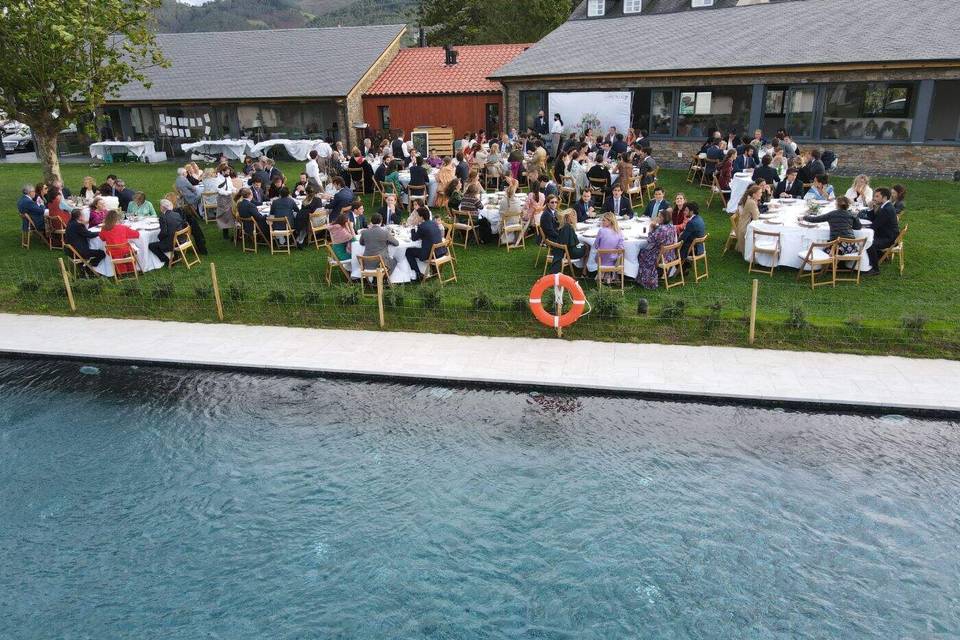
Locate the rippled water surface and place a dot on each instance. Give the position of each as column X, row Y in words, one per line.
column 160, row 503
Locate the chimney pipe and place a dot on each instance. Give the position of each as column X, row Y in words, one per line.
column 422, row 37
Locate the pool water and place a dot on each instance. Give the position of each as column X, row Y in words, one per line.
column 165, row 503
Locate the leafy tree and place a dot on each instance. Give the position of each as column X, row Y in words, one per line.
column 64, row 57
column 492, row 21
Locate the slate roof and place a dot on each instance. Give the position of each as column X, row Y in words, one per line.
column 423, row 70
column 799, row 32
column 269, row 63
column 614, row 8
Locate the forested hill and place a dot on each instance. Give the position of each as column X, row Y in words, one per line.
column 238, row 15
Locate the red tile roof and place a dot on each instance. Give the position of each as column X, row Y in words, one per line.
column 421, row 70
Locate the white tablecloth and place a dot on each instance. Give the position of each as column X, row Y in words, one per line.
column 404, row 177
column 298, row 149
column 149, row 232
column 232, row 149
column 138, row 149
column 491, row 207
column 634, row 239
column 794, row 238
column 402, row 272
column 738, row 186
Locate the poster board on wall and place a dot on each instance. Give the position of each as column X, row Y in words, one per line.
column 597, row 110
column 421, row 142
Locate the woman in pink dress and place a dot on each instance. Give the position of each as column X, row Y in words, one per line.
column 98, row 212
column 608, row 237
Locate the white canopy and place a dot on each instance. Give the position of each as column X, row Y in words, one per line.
column 232, row 149
column 298, row 149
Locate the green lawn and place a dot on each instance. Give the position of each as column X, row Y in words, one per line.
column 916, row 314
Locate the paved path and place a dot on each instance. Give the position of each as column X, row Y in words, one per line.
column 716, row 373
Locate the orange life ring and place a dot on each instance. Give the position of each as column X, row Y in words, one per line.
column 557, row 280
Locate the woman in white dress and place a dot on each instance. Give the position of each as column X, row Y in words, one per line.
column 556, row 131
column 860, row 193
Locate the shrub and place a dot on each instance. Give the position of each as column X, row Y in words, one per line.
column 854, row 322
column 797, row 318
column 481, row 301
column 28, row 285
column 673, row 310
column 277, row 296
column 713, row 317
column 347, row 295
column 88, row 286
column 431, row 296
column 607, row 305
column 312, row 297
column 131, row 288
column 162, row 291
column 521, row 304
column 915, row 322
column 393, row 298
column 203, row 291
column 236, row 291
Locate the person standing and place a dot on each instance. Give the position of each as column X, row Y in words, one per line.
column 540, row 126
column 556, row 132
column 312, row 169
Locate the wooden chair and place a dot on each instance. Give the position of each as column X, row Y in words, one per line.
column 333, row 262
column 566, row 263
column 821, row 258
column 849, row 262
column 382, row 190
column 616, row 267
column 695, row 169
column 130, row 258
column 765, row 243
column 651, row 186
column 209, row 201
column 695, row 259
column 437, row 263
column 448, row 238
column 667, row 265
column 512, row 222
column 708, row 169
column 318, row 230
column 280, row 229
column 78, row 264
column 896, row 249
column 715, row 190
column 598, row 189
column 56, row 232
column 494, row 177
column 635, row 189
column 541, row 245
column 373, row 267
column 31, row 231
column 568, row 191
column 238, row 226
column 182, row 246
column 356, row 178
column 732, row 236
column 416, row 192
column 250, row 241
column 466, row 222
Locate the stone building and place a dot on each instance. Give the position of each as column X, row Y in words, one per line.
column 879, row 87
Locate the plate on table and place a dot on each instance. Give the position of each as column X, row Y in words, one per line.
column 589, row 234
column 769, row 216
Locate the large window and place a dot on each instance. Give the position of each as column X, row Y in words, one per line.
column 661, row 112
column 531, row 102
column 632, row 6
column 790, row 109
column 596, row 8
column 289, row 120
column 868, row 111
column 701, row 111
column 944, row 123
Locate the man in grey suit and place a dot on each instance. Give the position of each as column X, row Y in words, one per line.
column 376, row 240
column 189, row 193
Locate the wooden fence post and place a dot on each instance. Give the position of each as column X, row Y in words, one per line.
column 380, row 298
column 753, row 310
column 216, row 290
column 66, row 284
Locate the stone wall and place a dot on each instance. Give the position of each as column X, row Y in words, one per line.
column 354, row 103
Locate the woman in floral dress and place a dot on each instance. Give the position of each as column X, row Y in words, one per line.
column 663, row 233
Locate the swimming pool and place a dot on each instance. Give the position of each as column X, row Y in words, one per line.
column 165, row 503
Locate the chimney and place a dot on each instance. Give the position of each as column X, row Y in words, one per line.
column 422, row 37
column 451, row 54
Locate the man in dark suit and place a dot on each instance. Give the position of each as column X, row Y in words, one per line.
column 261, row 172
column 428, row 233
column 342, row 198
column 604, row 154
column 656, row 205
column 381, row 171
column 618, row 203
column 272, row 171
column 170, row 222
column 744, row 162
column 584, row 207
column 540, row 126
column 885, row 227
column 766, row 172
column 247, row 208
column 78, row 236
column 397, row 146
column 647, row 165
column 27, row 205
column 285, row 207
column 789, row 186
column 109, row 187
column 357, row 216
column 462, row 170
column 714, row 152
column 549, row 224
column 618, row 147
column 599, row 171
column 419, row 177
column 642, row 140
column 124, row 195
column 256, row 189
column 813, row 168
column 695, row 228
column 389, row 212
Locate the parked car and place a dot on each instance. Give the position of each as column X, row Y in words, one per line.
column 21, row 140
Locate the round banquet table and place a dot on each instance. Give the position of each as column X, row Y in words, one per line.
column 402, row 272
column 634, row 239
column 149, row 229
column 795, row 239
column 491, row 207
column 738, row 185
column 404, row 177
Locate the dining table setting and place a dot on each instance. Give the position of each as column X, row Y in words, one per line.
column 634, row 232
column 149, row 229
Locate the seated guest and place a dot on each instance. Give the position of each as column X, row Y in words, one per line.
column 462, row 168
column 359, row 161
column 694, row 227
column 419, row 177
column 170, row 222
column 300, row 189
column 446, row 174
column 140, row 206
column 821, row 189
column 389, row 213
column 248, row 166
column 41, row 190
column 78, row 236
column 256, row 190
column 88, row 191
column 249, row 214
column 604, row 154
column 308, row 209
column 27, row 204
column 434, row 160
column 625, row 169
column 376, row 240
column 567, row 236
column 860, row 194
column 341, row 235
column 429, row 233
column 262, row 173
column 124, row 195
column 679, row 204
column 454, row 194
column 98, row 212
column 114, row 233
column 654, row 206
column 284, row 206
column 385, row 165
column 188, row 192
column 276, row 185
column 765, row 172
column 357, row 216
column 549, row 219
column 609, row 237
column 842, row 222
column 548, row 186
column 617, row 203
column 647, row 166
column 885, row 227
column 789, row 187
column 599, row 171
column 618, row 146
column 747, row 212
column 898, row 194
column 341, row 199
column 725, row 171
column 661, row 233
column 508, row 205
column 473, row 203
column 584, row 207
column 58, row 207
column 534, row 203
column 109, row 187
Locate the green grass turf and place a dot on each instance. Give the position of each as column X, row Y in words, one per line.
column 914, row 314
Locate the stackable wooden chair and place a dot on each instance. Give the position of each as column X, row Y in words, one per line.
column 667, row 265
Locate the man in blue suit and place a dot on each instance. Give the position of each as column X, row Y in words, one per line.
column 428, row 232
column 27, row 205
column 654, row 206
column 548, row 220
column 695, row 228
column 342, row 198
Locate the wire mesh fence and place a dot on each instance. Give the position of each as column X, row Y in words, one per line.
column 296, row 293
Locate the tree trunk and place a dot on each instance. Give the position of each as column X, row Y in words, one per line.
column 46, row 147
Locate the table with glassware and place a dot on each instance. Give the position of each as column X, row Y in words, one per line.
column 149, row 229
column 738, row 186
column 634, row 232
column 785, row 216
column 404, row 177
column 401, row 273
column 491, row 207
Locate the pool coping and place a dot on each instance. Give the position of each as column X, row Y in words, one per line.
column 711, row 375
